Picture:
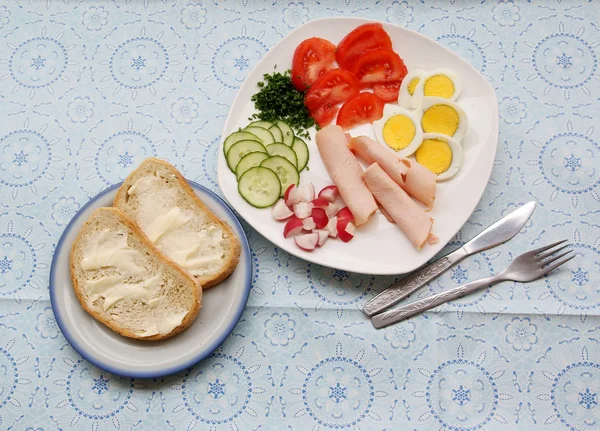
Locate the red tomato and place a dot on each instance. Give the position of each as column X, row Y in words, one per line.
column 312, row 58
column 335, row 86
column 324, row 114
column 379, row 65
column 388, row 91
column 361, row 109
column 362, row 39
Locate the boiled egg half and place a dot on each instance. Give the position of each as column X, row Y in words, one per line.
column 444, row 117
column 441, row 154
column 443, row 83
column 399, row 129
column 409, row 85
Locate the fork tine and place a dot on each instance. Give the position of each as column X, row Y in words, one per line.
column 541, row 249
column 556, row 265
column 550, row 253
column 554, row 258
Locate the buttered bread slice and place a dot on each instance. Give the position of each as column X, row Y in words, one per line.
column 161, row 202
column 124, row 282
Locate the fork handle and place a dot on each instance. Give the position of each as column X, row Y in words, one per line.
column 397, row 292
column 417, row 307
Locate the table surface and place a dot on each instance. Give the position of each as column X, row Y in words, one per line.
column 87, row 90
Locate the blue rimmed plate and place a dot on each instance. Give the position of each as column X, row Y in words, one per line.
column 221, row 309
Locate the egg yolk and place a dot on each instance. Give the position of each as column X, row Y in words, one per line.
column 412, row 85
column 440, row 119
column 398, row 131
column 439, row 86
column 435, row 155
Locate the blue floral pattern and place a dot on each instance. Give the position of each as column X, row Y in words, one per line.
column 90, row 89
column 279, row 329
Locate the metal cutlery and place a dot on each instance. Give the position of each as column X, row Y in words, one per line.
column 527, row 267
column 496, row 234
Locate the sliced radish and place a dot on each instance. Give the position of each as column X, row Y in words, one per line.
column 320, row 217
column 293, row 227
column 280, row 210
column 307, row 192
column 308, row 223
column 329, row 193
column 303, row 209
column 331, row 210
column 345, row 215
column 320, row 202
column 323, row 235
column 307, row 241
column 291, row 195
column 332, row 227
column 345, row 230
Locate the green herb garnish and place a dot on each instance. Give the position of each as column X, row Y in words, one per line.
column 279, row 100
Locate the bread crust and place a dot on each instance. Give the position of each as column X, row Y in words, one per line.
column 233, row 257
column 189, row 317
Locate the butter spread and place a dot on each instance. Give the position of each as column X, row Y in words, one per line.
column 110, row 250
column 113, row 289
column 107, row 250
column 140, row 186
column 176, row 232
column 163, row 325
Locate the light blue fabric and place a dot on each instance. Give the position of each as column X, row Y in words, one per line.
column 87, row 90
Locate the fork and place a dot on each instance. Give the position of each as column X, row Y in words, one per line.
column 527, row 267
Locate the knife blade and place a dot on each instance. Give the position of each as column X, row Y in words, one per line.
column 496, row 234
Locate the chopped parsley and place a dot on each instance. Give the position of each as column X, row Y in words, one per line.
column 277, row 99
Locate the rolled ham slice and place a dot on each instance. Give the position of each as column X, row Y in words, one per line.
column 345, row 172
column 407, row 214
column 413, row 177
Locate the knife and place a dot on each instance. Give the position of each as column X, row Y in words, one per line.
column 498, row 233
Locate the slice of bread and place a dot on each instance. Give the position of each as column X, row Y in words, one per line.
column 162, row 203
column 123, row 281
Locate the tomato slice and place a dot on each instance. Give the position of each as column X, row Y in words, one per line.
column 362, row 39
column 312, row 58
column 335, row 86
column 361, row 109
column 379, row 65
column 324, row 114
column 388, row 91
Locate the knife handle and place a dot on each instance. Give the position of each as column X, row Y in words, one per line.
column 411, row 309
column 397, row 292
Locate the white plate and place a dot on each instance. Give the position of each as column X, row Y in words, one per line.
column 221, row 309
column 378, row 247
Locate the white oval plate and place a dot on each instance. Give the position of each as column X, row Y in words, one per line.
column 378, row 247
column 221, row 309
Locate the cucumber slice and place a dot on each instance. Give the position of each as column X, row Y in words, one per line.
column 240, row 149
column 250, row 160
column 288, row 133
column 236, row 137
column 261, row 123
column 264, row 135
column 301, row 150
column 277, row 134
column 260, row 187
column 286, row 172
column 279, row 149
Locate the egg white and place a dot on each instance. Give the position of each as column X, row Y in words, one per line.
column 418, row 95
column 463, row 122
column 457, row 154
column 390, row 111
column 404, row 97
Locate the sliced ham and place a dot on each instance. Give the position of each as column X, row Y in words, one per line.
column 413, row 177
column 386, row 214
column 345, row 172
column 407, row 214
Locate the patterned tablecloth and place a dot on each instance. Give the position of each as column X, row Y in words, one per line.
column 87, row 90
